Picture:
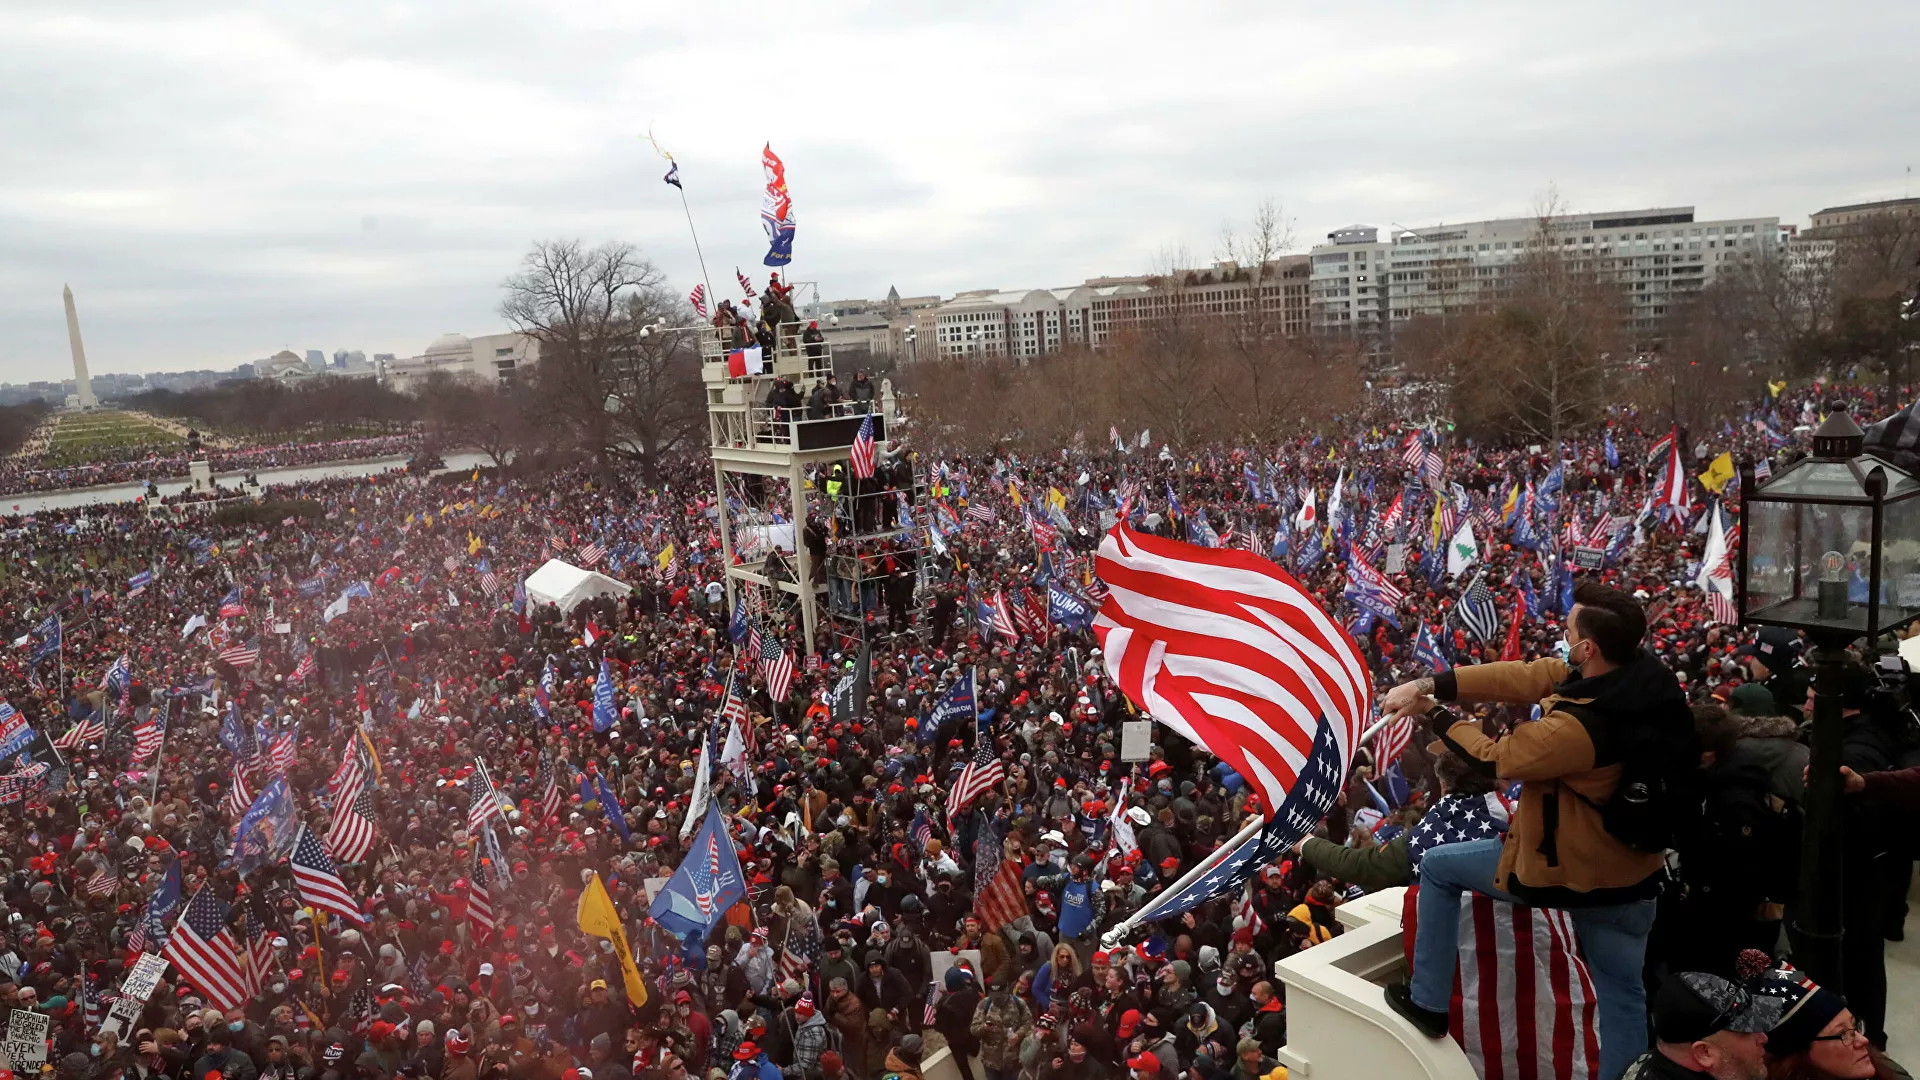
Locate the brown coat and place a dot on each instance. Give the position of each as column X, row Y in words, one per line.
column 1553, row 758
column 849, row 1017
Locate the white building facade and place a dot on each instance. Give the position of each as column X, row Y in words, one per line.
column 1364, row 285
column 489, row 359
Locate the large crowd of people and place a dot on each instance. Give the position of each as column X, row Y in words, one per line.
column 138, row 464
column 387, row 644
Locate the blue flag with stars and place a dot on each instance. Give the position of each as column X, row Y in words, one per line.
column 1455, row 819
column 707, row 883
column 1307, row 803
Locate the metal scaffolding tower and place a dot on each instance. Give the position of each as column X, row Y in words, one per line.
column 815, row 556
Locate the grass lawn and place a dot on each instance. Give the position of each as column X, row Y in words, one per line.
column 79, row 437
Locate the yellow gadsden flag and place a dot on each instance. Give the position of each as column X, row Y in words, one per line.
column 598, row 919
column 1718, row 473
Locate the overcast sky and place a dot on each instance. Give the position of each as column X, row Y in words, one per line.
column 221, row 180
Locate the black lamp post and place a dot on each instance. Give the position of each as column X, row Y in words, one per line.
column 1829, row 547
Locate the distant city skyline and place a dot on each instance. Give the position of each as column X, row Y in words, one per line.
column 221, row 182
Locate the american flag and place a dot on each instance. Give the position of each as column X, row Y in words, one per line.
column 280, row 754
column 480, row 897
column 1476, row 610
column 861, row 455
column 1230, row 651
column 450, row 562
column 1030, row 624
column 997, row 898
column 1673, row 479
column 484, row 804
column 241, row 656
column 776, row 667
column 489, row 583
column 204, row 950
column 922, row 830
column 1002, row 623
column 308, row 665
column 319, row 879
column 1245, row 914
column 1527, row 1004
column 698, row 298
column 1390, row 742
column 591, row 554
column 103, row 882
column 92, row 729
column 981, row 512
column 351, row 835
column 792, row 965
column 980, row 774
column 238, row 796
column 932, row 1011
column 550, row 798
column 745, row 285
column 259, row 954
column 347, row 780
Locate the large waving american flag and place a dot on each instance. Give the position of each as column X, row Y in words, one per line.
column 206, row 953
column 1230, row 651
column 318, row 878
column 351, row 835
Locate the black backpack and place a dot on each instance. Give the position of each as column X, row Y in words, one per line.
column 1746, row 849
column 1658, row 798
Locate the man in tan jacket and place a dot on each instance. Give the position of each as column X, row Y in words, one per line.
column 1558, row 853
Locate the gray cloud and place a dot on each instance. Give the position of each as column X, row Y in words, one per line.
column 223, row 179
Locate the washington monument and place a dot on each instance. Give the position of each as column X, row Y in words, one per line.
column 83, row 386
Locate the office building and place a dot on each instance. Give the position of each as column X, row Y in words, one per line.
column 1366, row 286
column 1035, row 322
column 489, row 359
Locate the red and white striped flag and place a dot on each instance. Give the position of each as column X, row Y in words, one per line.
column 351, row 835
column 102, row 883
column 280, row 753
column 1230, row 651
column 347, row 780
column 92, row 729
column 745, row 285
column 1525, row 999
column 238, row 796
column 1000, row 900
column 792, row 965
column 147, row 737
column 480, row 899
column 698, row 298
column 319, row 879
column 1391, row 741
column 203, row 949
column 1002, row 617
column 305, row 671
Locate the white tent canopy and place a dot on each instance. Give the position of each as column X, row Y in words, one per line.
column 560, row 582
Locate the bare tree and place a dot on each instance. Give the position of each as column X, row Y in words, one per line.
column 657, row 403
column 576, row 302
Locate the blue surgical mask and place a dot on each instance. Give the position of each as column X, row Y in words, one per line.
column 237, row 1025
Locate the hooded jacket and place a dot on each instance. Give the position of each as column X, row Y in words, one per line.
column 1558, row 853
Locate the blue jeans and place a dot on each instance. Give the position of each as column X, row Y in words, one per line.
column 1613, row 937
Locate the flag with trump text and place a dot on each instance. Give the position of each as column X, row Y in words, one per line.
column 1230, row 651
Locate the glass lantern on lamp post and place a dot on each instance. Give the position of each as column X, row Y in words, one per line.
column 1829, row 547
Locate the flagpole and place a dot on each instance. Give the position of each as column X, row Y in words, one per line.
column 1248, row 832
column 712, row 297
